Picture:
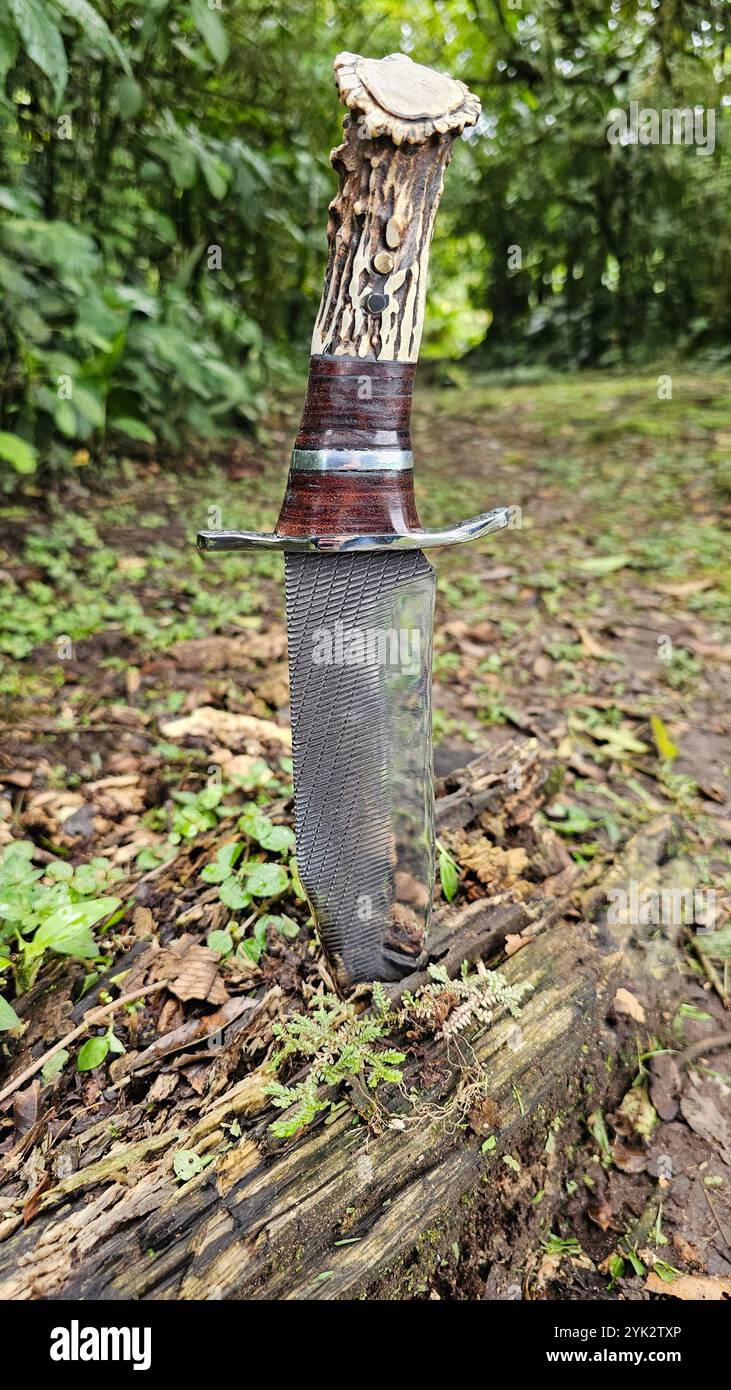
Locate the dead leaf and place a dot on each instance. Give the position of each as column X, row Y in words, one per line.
column 701, row 1108
column 592, row 647
column 242, row 765
column 625, row 1002
column 30, row 1207
column 119, row 714
column 232, row 653
column 172, row 1016
column 599, row 1211
column 196, row 1030
column 25, row 1108
column 712, row 650
column 629, row 1158
column 60, row 804
column 636, row 1114
column 274, row 687
column 693, row 1288
column 191, row 973
column 114, row 794
column 143, row 923
column 687, row 1252
column 484, row 1117
column 483, row 632
column 685, row 587
column 17, row 777
column 499, row 572
column 208, row 654
column 226, row 727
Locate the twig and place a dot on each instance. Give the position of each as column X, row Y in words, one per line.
column 157, row 870
column 712, row 1043
column 89, row 1021
column 712, row 974
column 716, row 1217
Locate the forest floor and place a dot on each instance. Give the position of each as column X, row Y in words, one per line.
column 144, row 692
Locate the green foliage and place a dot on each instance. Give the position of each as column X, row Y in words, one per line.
column 254, row 946
column 8, row 1017
column 17, row 452
column 95, row 1050
column 561, row 1245
column 196, row 811
column 164, row 183
column 188, row 1164
column 472, row 997
column 242, row 882
column 117, row 283
column 448, row 872
column 48, row 909
column 54, row 1066
column 339, row 1044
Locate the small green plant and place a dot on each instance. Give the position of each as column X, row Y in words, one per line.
column 561, row 1245
column 244, row 879
column 470, row 999
column 683, row 670
column 52, row 908
column 448, row 872
column 338, row 1043
column 197, row 811
column 615, row 1269
column 96, row 1049
column 187, row 1164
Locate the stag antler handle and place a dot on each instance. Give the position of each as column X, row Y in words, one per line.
column 398, row 141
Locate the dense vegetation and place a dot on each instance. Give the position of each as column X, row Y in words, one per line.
column 164, row 184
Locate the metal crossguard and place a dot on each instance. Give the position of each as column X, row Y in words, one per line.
column 355, row 461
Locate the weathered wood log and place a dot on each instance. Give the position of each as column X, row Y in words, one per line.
column 267, row 1218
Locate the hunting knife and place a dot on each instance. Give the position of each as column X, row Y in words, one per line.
column 359, row 589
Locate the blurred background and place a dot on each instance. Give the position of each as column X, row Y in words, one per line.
column 165, row 181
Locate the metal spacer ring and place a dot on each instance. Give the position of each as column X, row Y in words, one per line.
column 351, row 460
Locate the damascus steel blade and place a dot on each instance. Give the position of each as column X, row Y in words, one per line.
column 359, row 631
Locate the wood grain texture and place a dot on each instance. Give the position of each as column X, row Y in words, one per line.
column 356, row 405
column 353, row 405
column 398, row 142
column 348, row 504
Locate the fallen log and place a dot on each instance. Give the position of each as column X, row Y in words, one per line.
column 325, row 1214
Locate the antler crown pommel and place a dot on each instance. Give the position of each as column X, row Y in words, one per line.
column 402, row 99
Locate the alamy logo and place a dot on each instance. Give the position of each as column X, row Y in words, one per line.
column 367, row 646
column 635, row 906
column 670, row 126
column 77, row 1343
